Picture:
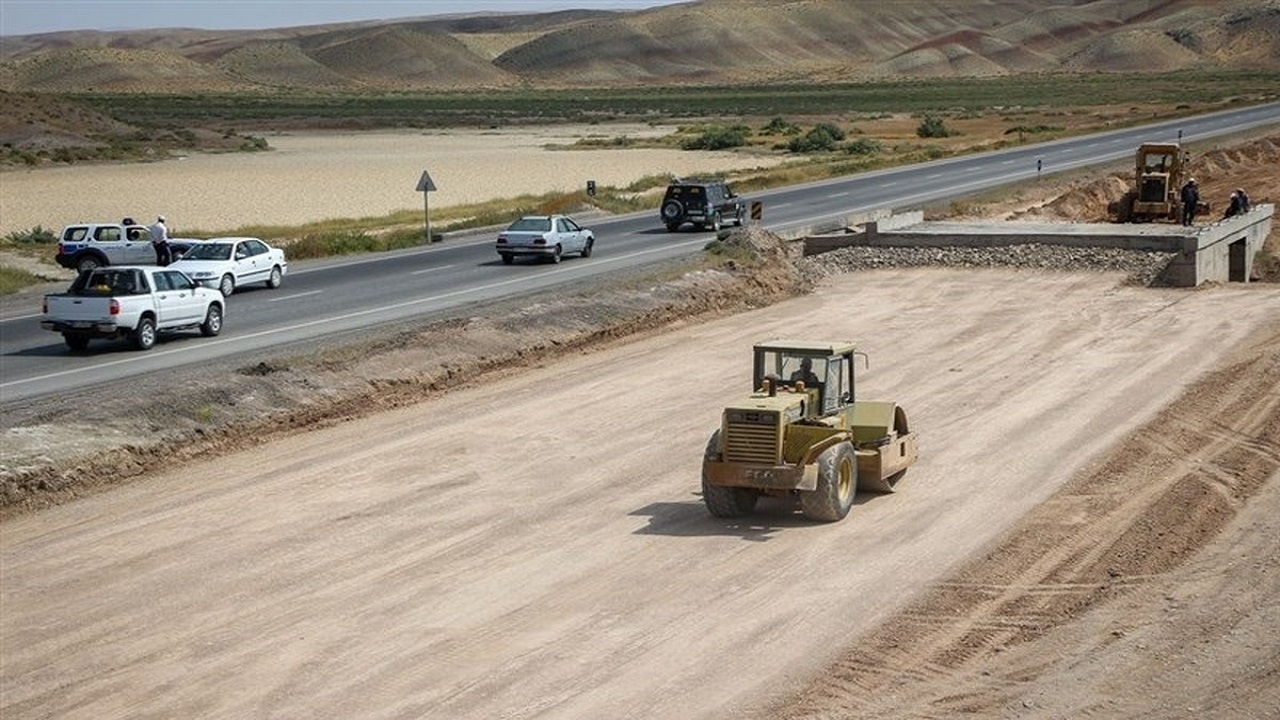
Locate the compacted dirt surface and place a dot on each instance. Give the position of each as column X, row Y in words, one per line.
column 499, row 516
column 536, row 546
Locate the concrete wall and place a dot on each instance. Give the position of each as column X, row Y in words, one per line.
column 1223, row 251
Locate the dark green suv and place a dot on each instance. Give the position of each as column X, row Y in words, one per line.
column 703, row 203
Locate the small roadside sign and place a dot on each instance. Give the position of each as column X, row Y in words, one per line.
column 425, row 184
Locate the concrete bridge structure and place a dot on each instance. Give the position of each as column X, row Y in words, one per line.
column 1217, row 251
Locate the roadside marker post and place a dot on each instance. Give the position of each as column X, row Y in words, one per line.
column 757, row 211
column 426, row 186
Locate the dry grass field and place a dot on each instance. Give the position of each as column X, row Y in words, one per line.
column 317, row 176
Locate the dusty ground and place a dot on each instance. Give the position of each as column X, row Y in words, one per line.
column 535, row 546
column 1091, row 531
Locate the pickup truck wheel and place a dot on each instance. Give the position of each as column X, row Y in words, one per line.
column 88, row 262
column 78, row 343
column 725, row 502
column 715, row 222
column 276, row 278
column 144, row 336
column 837, row 479
column 739, row 216
column 212, row 324
column 227, row 285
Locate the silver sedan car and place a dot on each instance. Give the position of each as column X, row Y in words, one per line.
column 548, row 237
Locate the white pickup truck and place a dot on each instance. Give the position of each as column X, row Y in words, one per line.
column 134, row 302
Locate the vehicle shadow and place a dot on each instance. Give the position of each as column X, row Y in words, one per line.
column 121, row 346
column 687, row 230
column 690, row 519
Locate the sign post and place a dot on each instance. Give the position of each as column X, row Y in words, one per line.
column 426, row 187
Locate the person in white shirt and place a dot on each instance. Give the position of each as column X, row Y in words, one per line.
column 160, row 241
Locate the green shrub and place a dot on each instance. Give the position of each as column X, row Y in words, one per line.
column 862, row 146
column 822, row 138
column 778, row 126
column 717, row 137
column 35, row 236
column 933, row 127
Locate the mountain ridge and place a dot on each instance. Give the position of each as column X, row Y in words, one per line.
column 701, row 42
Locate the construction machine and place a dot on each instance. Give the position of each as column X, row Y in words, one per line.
column 1160, row 170
column 801, row 432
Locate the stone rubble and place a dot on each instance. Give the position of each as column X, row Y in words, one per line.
column 1139, row 267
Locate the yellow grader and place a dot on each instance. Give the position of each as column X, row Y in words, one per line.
column 1160, row 171
column 802, row 433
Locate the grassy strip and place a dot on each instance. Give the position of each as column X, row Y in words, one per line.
column 12, row 280
column 1066, row 92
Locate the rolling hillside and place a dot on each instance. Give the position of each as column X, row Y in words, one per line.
column 705, row 41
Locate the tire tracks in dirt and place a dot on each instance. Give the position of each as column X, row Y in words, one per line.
column 1138, row 514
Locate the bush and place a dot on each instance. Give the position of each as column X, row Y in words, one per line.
column 717, row 137
column 778, row 126
column 862, row 146
column 35, row 236
column 822, row 138
column 933, row 127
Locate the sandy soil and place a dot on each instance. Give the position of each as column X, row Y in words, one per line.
column 536, row 546
column 314, row 176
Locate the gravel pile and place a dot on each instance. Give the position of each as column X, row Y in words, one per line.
column 1140, row 267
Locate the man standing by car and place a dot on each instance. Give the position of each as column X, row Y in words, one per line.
column 160, row 241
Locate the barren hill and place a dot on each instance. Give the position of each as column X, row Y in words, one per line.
column 705, row 41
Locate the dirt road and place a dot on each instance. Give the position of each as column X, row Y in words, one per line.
column 537, row 548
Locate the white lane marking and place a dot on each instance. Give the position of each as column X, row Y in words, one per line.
column 431, row 269
column 295, row 296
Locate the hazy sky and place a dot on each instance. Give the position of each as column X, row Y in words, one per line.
column 25, row 17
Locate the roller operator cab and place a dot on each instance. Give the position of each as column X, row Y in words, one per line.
column 802, row 432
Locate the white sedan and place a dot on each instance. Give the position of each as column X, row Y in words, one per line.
column 229, row 262
column 544, row 236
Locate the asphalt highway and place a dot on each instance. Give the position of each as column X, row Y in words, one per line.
column 331, row 297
